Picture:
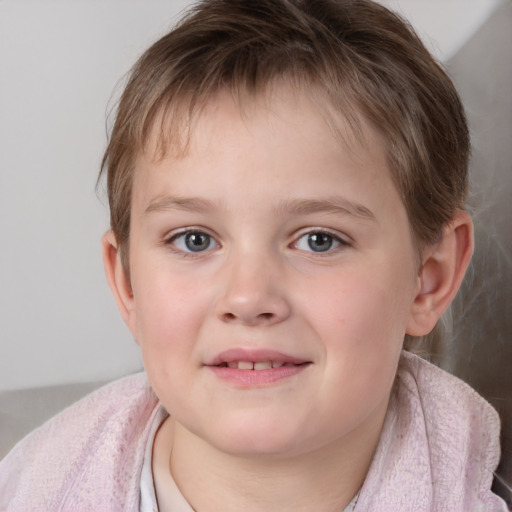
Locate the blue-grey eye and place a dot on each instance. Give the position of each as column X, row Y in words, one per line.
column 317, row 241
column 193, row 241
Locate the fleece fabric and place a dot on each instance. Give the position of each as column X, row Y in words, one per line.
column 437, row 452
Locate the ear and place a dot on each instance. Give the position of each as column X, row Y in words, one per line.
column 118, row 280
column 442, row 271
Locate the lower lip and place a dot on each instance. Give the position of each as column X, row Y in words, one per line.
column 255, row 378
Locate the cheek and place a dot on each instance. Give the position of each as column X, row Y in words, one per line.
column 359, row 332
column 361, row 304
column 362, row 325
column 168, row 323
column 169, row 311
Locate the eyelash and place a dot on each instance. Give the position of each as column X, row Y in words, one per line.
column 339, row 242
column 171, row 242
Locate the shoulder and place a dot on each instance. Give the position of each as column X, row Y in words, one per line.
column 90, row 451
column 447, row 399
column 455, row 417
column 439, row 445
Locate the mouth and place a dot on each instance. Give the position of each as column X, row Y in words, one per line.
column 254, row 359
column 253, row 368
column 257, row 365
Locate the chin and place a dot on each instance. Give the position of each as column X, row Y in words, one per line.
column 256, row 439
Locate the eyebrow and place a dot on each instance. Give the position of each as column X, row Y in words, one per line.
column 334, row 205
column 189, row 204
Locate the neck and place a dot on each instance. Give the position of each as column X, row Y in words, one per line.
column 324, row 480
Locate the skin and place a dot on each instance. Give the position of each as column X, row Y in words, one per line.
column 258, row 184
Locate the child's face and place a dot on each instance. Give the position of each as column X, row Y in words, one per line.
column 269, row 242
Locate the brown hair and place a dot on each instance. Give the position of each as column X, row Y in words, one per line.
column 366, row 59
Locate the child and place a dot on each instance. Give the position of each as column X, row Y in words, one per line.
column 286, row 183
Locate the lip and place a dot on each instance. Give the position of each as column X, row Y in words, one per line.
column 255, row 378
column 254, row 355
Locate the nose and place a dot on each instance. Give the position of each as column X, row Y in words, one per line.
column 253, row 294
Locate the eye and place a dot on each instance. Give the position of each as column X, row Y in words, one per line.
column 318, row 241
column 193, row 241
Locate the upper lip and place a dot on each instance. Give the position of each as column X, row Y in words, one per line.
column 253, row 355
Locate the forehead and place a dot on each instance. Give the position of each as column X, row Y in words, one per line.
column 176, row 124
column 285, row 144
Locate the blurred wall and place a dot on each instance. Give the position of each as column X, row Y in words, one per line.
column 60, row 62
column 479, row 349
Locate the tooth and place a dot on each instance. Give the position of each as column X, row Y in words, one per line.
column 264, row 365
column 245, row 365
column 277, row 365
column 233, row 364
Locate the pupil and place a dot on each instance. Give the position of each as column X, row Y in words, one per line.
column 197, row 241
column 319, row 242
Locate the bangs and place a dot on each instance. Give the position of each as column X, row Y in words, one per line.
column 169, row 125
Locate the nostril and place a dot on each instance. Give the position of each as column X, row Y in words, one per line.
column 259, row 318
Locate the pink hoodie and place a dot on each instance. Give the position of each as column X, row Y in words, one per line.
column 437, row 452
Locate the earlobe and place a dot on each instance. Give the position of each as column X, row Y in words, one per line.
column 441, row 274
column 118, row 280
